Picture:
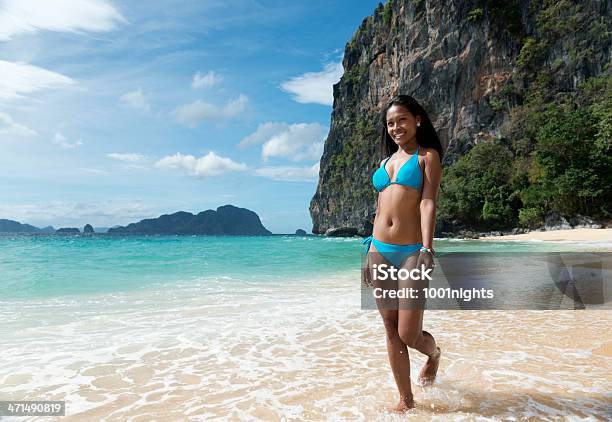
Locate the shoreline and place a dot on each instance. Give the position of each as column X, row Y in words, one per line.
column 577, row 235
column 141, row 361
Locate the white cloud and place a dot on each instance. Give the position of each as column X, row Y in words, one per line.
column 61, row 140
column 290, row 174
column 130, row 157
column 9, row 127
column 194, row 113
column 264, row 132
column 21, row 78
column 65, row 213
column 205, row 81
column 300, row 141
column 209, row 165
column 315, row 87
column 19, row 16
column 136, row 99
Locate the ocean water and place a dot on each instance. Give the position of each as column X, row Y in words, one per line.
column 270, row 328
column 47, row 266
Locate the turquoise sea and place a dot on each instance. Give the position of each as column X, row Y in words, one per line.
column 269, row 328
column 44, row 266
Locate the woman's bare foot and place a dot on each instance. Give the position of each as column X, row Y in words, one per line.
column 430, row 369
column 405, row 404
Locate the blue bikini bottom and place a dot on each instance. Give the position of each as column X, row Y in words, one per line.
column 395, row 254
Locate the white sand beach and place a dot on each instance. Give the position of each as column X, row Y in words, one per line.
column 578, row 235
column 298, row 353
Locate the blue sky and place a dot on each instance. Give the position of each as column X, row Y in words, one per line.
column 111, row 112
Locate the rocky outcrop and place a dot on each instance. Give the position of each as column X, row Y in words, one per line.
column 226, row 220
column 580, row 221
column 341, row 232
column 556, row 222
column 68, row 230
column 300, row 232
column 88, row 229
column 467, row 63
column 11, row 226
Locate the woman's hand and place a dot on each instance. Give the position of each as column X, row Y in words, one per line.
column 426, row 259
column 366, row 278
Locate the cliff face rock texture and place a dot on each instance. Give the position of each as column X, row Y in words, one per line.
column 467, row 62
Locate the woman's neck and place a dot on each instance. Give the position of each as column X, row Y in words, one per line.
column 408, row 148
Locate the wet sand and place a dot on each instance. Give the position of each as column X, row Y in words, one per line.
column 304, row 351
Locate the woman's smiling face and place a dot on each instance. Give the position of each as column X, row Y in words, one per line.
column 401, row 124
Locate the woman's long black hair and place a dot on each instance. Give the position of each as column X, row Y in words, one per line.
column 426, row 134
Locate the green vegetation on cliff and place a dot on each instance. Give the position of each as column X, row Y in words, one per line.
column 526, row 120
column 558, row 160
column 353, row 151
column 554, row 154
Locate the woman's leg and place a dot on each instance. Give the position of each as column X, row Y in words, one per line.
column 410, row 326
column 396, row 349
column 411, row 333
column 398, row 359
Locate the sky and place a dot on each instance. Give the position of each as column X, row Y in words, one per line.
column 115, row 111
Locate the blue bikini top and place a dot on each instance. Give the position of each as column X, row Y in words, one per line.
column 408, row 175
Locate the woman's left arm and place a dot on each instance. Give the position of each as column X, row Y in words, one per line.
column 431, row 185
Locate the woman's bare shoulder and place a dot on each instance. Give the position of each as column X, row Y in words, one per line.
column 431, row 153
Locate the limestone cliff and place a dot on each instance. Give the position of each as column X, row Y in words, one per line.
column 467, row 62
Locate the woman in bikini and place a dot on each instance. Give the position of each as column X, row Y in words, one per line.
column 407, row 180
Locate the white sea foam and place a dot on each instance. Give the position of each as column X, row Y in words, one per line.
column 301, row 349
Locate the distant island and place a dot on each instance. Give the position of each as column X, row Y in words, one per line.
column 10, row 226
column 226, row 220
column 15, row 227
column 68, row 230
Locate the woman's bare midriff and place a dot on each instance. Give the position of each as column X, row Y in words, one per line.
column 398, row 219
